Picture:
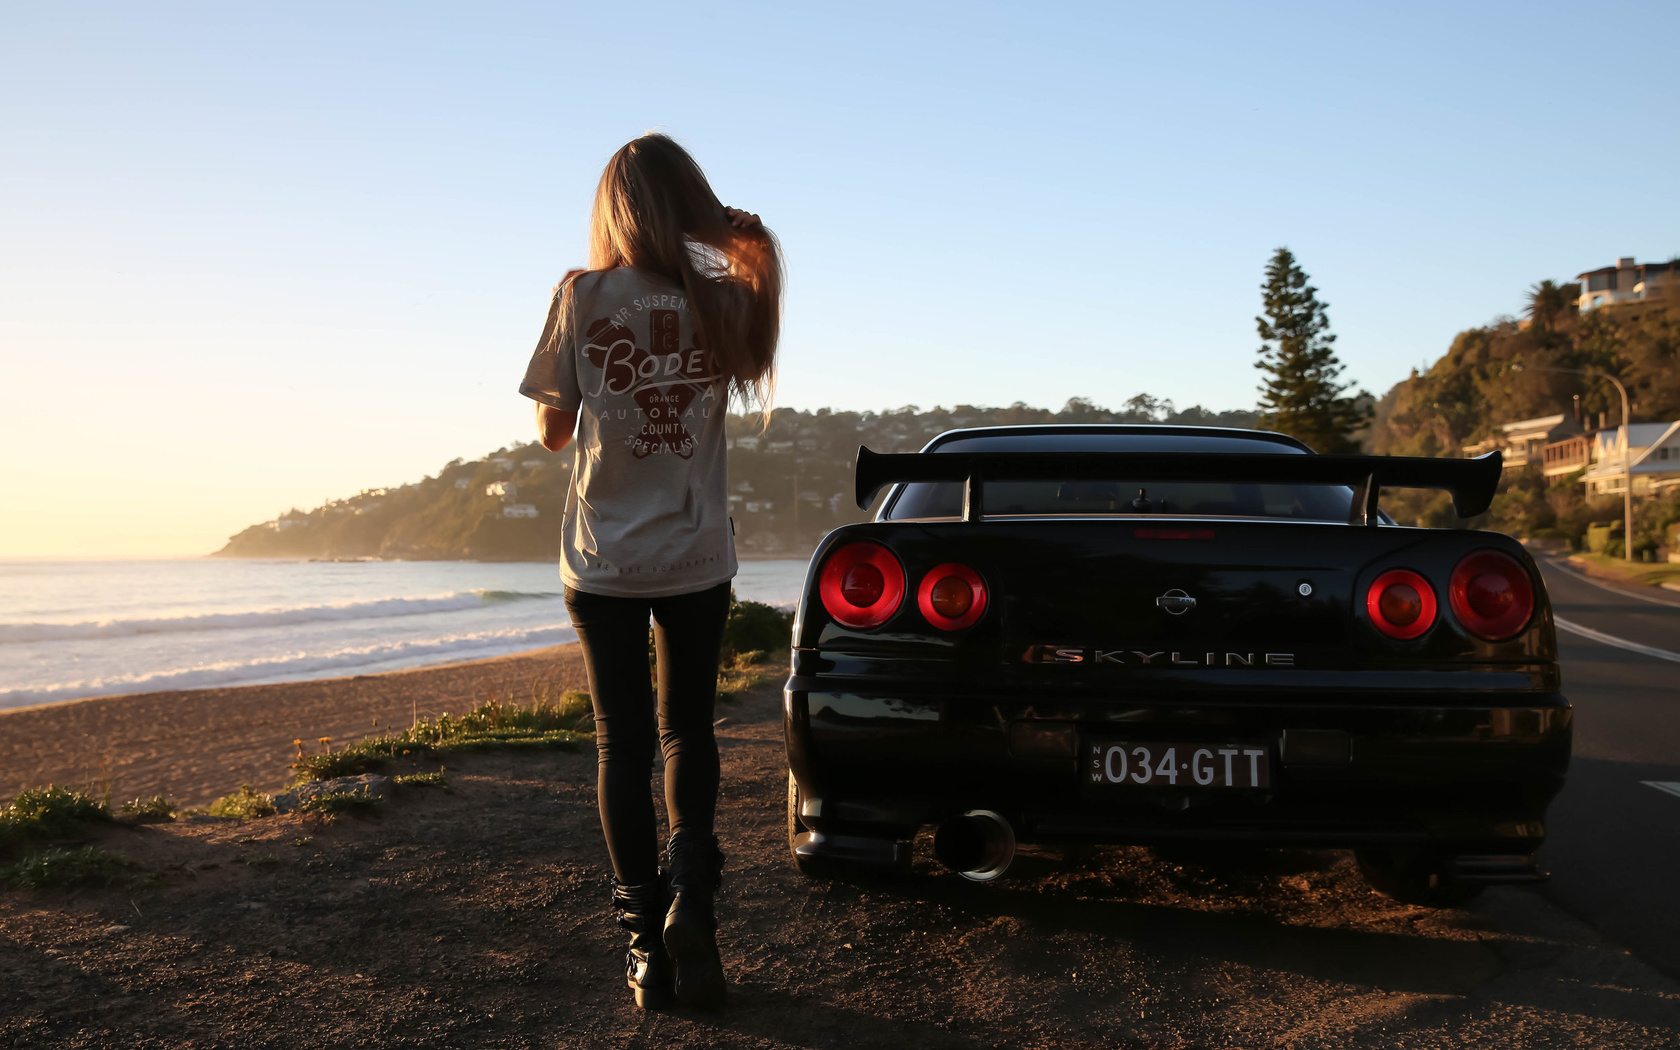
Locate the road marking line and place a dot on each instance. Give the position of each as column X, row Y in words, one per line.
column 1570, row 570
column 1670, row 786
column 1620, row 643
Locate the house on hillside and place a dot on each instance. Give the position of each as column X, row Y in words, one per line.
column 1654, row 460
column 502, row 463
column 1523, row 441
column 533, row 464
column 463, row 483
column 748, row 443
column 519, row 510
column 1565, row 457
column 1627, row 281
column 504, row 489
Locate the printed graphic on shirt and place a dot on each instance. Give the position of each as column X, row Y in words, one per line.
column 663, row 380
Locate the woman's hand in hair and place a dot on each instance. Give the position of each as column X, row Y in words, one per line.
column 744, row 220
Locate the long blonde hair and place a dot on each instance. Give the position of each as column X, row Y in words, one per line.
column 655, row 211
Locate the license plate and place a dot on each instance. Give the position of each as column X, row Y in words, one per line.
column 1117, row 763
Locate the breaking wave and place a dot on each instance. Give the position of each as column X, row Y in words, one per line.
column 301, row 665
column 12, row 633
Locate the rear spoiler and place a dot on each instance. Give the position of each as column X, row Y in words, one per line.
column 1471, row 481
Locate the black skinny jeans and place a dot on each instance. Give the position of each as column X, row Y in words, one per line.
column 688, row 632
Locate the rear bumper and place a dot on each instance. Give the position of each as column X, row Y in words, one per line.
column 1470, row 774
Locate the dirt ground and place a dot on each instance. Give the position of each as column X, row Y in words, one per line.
column 198, row 744
column 479, row 918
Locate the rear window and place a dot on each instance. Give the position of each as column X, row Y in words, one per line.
column 1059, row 497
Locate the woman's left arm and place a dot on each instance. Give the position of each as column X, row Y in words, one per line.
column 555, row 426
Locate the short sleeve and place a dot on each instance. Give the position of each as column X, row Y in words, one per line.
column 551, row 377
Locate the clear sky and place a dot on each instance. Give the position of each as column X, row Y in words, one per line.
column 256, row 256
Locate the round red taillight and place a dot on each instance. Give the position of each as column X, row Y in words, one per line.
column 1401, row 603
column 861, row 584
column 1491, row 595
column 952, row 597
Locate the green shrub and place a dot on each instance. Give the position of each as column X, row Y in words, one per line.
column 755, row 626
column 1602, row 534
column 155, row 808
column 61, row 868
column 49, row 813
column 242, row 805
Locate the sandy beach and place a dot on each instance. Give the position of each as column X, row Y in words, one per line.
column 198, row 744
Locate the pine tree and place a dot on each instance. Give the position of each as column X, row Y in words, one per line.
column 1301, row 395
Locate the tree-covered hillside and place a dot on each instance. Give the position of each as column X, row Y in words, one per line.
column 1496, row 374
column 1475, row 387
column 790, row 482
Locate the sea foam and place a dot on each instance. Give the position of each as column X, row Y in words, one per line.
column 16, row 633
column 298, row 665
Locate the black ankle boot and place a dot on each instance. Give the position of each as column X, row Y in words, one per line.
column 647, row 969
column 695, row 867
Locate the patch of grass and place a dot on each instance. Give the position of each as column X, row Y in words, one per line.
column 50, row 813
column 260, row 860
column 244, row 804
column 339, row 802
column 62, row 868
column 745, row 672
column 155, row 808
column 426, row 780
column 1649, row 573
column 562, row 722
column 151, row 882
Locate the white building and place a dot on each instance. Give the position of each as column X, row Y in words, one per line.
column 747, row 444
column 1523, row 440
column 502, row 463
column 1624, row 282
column 1654, row 452
column 533, row 464
column 504, row 489
column 463, row 483
column 519, row 510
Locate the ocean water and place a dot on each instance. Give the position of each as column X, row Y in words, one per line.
column 72, row 629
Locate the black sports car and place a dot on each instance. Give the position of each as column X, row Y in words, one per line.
column 1149, row 634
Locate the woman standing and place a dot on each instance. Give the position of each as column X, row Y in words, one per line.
column 679, row 310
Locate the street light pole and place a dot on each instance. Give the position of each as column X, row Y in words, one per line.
column 1627, row 460
column 1627, row 471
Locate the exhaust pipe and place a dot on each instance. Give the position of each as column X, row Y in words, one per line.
column 977, row 845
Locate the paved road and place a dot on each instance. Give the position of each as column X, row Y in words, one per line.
column 1614, row 847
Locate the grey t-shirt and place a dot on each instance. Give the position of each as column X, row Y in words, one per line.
column 648, row 510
